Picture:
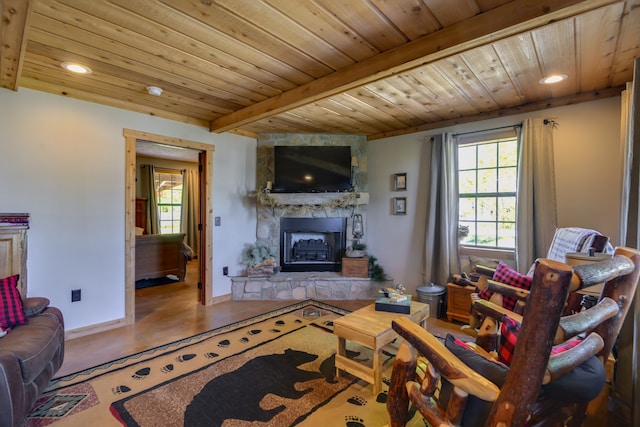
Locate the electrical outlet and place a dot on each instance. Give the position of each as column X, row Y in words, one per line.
column 225, row 271
column 76, row 295
column 217, row 221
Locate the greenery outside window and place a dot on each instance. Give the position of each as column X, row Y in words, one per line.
column 487, row 184
column 168, row 185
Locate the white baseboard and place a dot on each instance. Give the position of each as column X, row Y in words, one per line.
column 219, row 299
column 92, row 329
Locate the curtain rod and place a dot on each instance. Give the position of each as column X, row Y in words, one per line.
column 487, row 130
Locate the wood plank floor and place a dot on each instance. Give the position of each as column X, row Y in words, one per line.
column 170, row 312
column 164, row 314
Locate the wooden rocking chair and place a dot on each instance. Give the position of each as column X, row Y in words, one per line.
column 519, row 401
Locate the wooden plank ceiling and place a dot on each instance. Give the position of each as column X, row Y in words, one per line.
column 373, row 67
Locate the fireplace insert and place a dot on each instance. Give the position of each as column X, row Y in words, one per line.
column 312, row 244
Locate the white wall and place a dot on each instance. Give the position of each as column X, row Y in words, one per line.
column 588, row 185
column 62, row 161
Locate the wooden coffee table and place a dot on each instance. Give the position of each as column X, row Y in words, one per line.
column 371, row 329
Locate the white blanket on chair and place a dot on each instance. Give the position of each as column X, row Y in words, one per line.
column 570, row 239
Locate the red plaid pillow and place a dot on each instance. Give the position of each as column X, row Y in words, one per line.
column 11, row 311
column 508, row 276
column 509, row 330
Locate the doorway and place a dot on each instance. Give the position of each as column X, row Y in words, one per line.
column 205, row 158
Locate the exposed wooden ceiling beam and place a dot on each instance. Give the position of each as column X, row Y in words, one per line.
column 14, row 23
column 504, row 112
column 505, row 21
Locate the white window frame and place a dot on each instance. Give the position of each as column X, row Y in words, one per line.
column 494, row 135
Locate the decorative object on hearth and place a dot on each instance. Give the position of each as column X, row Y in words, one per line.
column 357, row 228
column 260, row 260
column 356, row 250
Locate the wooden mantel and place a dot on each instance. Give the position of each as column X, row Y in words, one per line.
column 317, row 198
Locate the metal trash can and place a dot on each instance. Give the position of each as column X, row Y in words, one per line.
column 433, row 295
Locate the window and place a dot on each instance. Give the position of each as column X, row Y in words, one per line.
column 487, row 176
column 169, row 198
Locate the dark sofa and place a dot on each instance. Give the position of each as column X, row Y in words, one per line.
column 29, row 357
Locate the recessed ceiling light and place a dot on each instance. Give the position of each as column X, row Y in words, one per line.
column 553, row 78
column 154, row 90
column 76, row 68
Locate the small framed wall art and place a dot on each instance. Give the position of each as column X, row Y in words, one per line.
column 399, row 181
column 400, row 206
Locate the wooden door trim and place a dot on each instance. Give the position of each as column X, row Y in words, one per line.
column 131, row 136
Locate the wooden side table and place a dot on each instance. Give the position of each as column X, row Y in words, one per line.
column 371, row 329
column 459, row 302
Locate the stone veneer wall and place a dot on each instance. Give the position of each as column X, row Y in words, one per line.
column 268, row 228
column 301, row 285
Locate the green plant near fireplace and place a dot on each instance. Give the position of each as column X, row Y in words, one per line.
column 376, row 271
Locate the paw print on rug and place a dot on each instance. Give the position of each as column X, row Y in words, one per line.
column 224, row 343
column 141, row 374
column 211, row 355
column 120, row 389
column 298, row 321
column 382, row 397
column 274, row 331
column 280, row 323
column 357, row 400
column 244, row 340
column 353, row 421
column 254, row 331
column 328, row 323
column 185, row 357
column 167, row 368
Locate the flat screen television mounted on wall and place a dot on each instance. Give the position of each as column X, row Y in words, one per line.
column 312, row 168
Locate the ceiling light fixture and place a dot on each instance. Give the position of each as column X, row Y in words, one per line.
column 553, row 78
column 154, row 90
column 76, row 68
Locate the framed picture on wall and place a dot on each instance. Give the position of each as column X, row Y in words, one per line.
column 400, row 206
column 399, row 181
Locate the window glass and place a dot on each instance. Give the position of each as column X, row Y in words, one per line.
column 169, row 198
column 487, row 183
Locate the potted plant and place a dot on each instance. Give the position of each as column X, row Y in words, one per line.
column 260, row 260
column 376, row 271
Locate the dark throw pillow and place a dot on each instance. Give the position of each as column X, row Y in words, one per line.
column 11, row 311
column 581, row 385
column 476, row 410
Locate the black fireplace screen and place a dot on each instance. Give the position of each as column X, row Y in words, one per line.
column 312, row 244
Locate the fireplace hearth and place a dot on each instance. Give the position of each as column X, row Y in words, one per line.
column 312, row 244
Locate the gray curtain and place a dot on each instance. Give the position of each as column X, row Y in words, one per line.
column 536, row 207
column 148, row 187
column 190, row 205
column 441, row 240
column 627, row 384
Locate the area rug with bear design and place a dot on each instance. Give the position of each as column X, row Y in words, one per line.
column 276, row 369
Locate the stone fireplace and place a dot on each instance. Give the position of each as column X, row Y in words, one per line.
column 309, row 231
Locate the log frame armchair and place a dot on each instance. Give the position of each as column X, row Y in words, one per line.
column 518, row 401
